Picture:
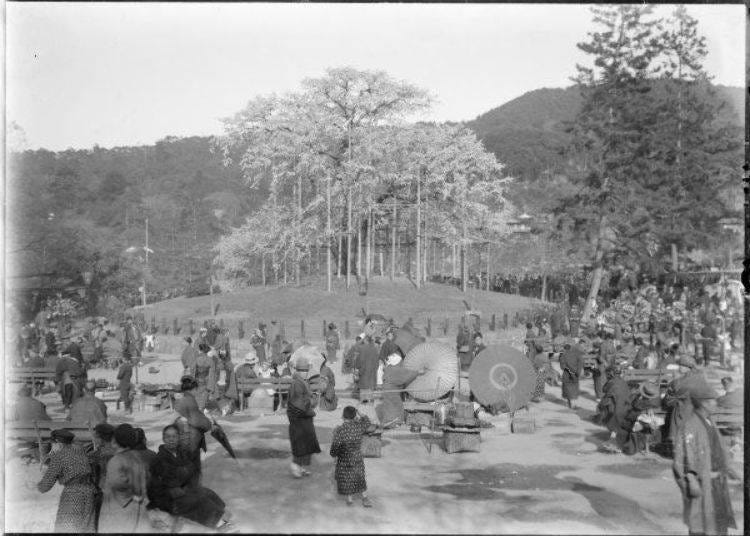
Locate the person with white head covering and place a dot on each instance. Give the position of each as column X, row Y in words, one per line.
column 247, row 370
column 395, row 377
column 300, row 413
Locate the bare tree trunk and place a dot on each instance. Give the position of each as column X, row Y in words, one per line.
column 349, row 239
column 380, row 255
column 285, row 270
column 419, row 229
column 359, row 246
column 329, row 274
column 544, row 287
column 489, row 251
column 368, row 243
column 263, row 268
column 298, row 260
column 596, row 277
column 454, row 260
column 340, row 253
column 275, row 268
column 464, row 263
column 393, row 244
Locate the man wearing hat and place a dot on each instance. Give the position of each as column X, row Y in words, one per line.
column 700, row 465
column 300, row 413
column 132, row 339
column 247, row 370
column 613, row 409
column 366, row 368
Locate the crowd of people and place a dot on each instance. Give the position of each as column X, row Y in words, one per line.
column 120, row 483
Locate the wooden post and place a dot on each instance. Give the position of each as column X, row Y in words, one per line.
column 492, row 323
column 428, row 330
column 505, row 320
column 324, row 330
column 347, row 333
column 359, row 246
column 302, row 329
column 241, row 329
column 445, row 327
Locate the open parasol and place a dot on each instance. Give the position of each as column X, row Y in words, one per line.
column 441, row 363
column 313, row 355
column 502, row 377
column 217, row 432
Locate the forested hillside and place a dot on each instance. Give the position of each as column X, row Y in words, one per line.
column 81, row 210
column 528, row 133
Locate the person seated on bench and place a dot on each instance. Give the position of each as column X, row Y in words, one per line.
column 174, row 487
column 88, row 408
column 27, row 408
column 734, row 396
column 69, row 465
column 247, row 370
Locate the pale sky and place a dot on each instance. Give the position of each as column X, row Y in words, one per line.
column 131, row 74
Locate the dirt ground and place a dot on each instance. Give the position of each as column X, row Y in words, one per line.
column 554, row 481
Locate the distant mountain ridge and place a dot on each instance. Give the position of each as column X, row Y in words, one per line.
column 525, row 134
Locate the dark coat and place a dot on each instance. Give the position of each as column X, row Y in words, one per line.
column 172, row 489
column 391, row 411
column 300, row 414
column 571, row 363
column 367, row 365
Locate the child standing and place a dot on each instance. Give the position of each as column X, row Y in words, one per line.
column 346, row 447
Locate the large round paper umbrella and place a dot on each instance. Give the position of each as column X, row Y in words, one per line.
column 502, row 377
column 442, row 370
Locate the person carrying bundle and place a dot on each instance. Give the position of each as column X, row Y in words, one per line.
column 395, row 377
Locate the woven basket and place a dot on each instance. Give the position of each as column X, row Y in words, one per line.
column 372, row 446
column 460, row 440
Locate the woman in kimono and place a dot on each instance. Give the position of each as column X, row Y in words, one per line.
column 300, row 413
column 69, row 465
column 395, row 377
column 124, row 492
column 205, row 375
column 174, row 487
column 346, row 447
column 571, row 363
column 328, row 398
column 191, row 423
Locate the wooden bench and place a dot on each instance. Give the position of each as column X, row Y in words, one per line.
column 659, row 376
column 40, row 432
column 279, row 385
column 31, row 375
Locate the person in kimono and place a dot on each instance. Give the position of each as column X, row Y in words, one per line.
column 571, row 363
column 333, row 342
column 699, row 462
column 395, row 377
column 300, row 413
column 69, row 465
column 192, row 423
column 346, row 447
column 328, row 398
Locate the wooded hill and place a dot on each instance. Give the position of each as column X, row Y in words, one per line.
column 527, row 134
column 80, row 210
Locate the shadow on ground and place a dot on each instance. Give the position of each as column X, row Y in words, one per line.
column 491, row 482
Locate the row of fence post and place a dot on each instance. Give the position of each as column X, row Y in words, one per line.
column 496, row 322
